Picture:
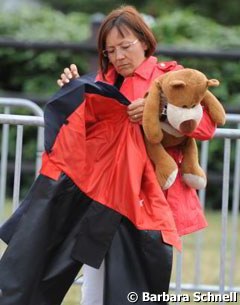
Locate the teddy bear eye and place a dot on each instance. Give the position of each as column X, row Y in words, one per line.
column 184, row 106
column 194, row 105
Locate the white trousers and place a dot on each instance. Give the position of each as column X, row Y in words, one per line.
column 92, row 287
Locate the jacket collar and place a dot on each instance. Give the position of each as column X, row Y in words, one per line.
column 144, row 70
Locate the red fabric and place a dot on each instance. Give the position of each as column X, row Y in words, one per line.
column 106, row 158
column 137, row 85
column 205, row 129
column 184, row 201
column 104, row 154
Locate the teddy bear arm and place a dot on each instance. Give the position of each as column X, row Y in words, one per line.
column 166, row 168
column 190, row 153
column 214, row 108
column 192, row 173
column 151, row 123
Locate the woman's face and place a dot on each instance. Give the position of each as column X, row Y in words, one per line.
column 126, row 52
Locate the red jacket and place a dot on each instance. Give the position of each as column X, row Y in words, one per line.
column 104, row 154
column 183, row 200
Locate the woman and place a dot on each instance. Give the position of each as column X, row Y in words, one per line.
column 97, row 195
column 125, row 47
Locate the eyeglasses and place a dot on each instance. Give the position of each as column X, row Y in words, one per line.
column 123, row 47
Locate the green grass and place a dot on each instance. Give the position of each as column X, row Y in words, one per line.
column 210, row 257
column 210, row 254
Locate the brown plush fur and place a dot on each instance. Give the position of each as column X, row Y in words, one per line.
column 184, row 90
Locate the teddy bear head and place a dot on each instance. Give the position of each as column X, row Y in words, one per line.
column 181, row 96
column 173, row 109
column 184, row 90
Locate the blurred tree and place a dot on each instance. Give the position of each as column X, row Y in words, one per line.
column 39, row 69
column 187, row 28
column 93, row 6
column 33, row 72
column 225, row 12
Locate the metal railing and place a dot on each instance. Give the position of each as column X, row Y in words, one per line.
column 7, row 105
column 227, row 135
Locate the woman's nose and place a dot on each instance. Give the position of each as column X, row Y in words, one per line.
column 119, row 54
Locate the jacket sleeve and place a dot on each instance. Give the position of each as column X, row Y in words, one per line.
column 205, row 129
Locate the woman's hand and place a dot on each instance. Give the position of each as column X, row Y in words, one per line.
column 67, row 75
column 135, row 110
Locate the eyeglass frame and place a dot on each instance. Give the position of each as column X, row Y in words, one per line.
column 105, row 52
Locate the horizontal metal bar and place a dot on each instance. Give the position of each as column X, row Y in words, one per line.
column 205, row 288
column 227, row 133
column 233, row 118
column 20, row 102
column 38, row 121
column 21, row 120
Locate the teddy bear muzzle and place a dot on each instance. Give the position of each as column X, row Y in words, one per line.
column 188, row 126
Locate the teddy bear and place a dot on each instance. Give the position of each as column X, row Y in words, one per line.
column 173, row 109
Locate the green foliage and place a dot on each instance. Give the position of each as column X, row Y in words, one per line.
column 44, row 24
column 86, row 6
column 186, row 28
column 224, row 12
column 35, row 72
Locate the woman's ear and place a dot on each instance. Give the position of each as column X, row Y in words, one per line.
column 144, row 45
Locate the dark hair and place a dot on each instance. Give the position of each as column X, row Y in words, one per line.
column 124, row 17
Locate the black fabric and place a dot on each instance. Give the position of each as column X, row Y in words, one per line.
column 68, row 98
column 44, row 253
column 138, row 261
column 57, row 229
column 119, row 81
column 95, row 234
column 96, row 223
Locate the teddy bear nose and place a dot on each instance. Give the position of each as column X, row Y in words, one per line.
column 188, row 126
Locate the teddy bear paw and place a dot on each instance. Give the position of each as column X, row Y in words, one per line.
column 170, row 180
column 194, row 181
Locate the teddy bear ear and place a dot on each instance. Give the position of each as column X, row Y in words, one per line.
column 212, row 82
column 177, row 83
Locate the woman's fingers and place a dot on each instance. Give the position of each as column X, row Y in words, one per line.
column 136, row 118
column 135, row 110
column 74, row 70
column 68, row 74
column 60, row 83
